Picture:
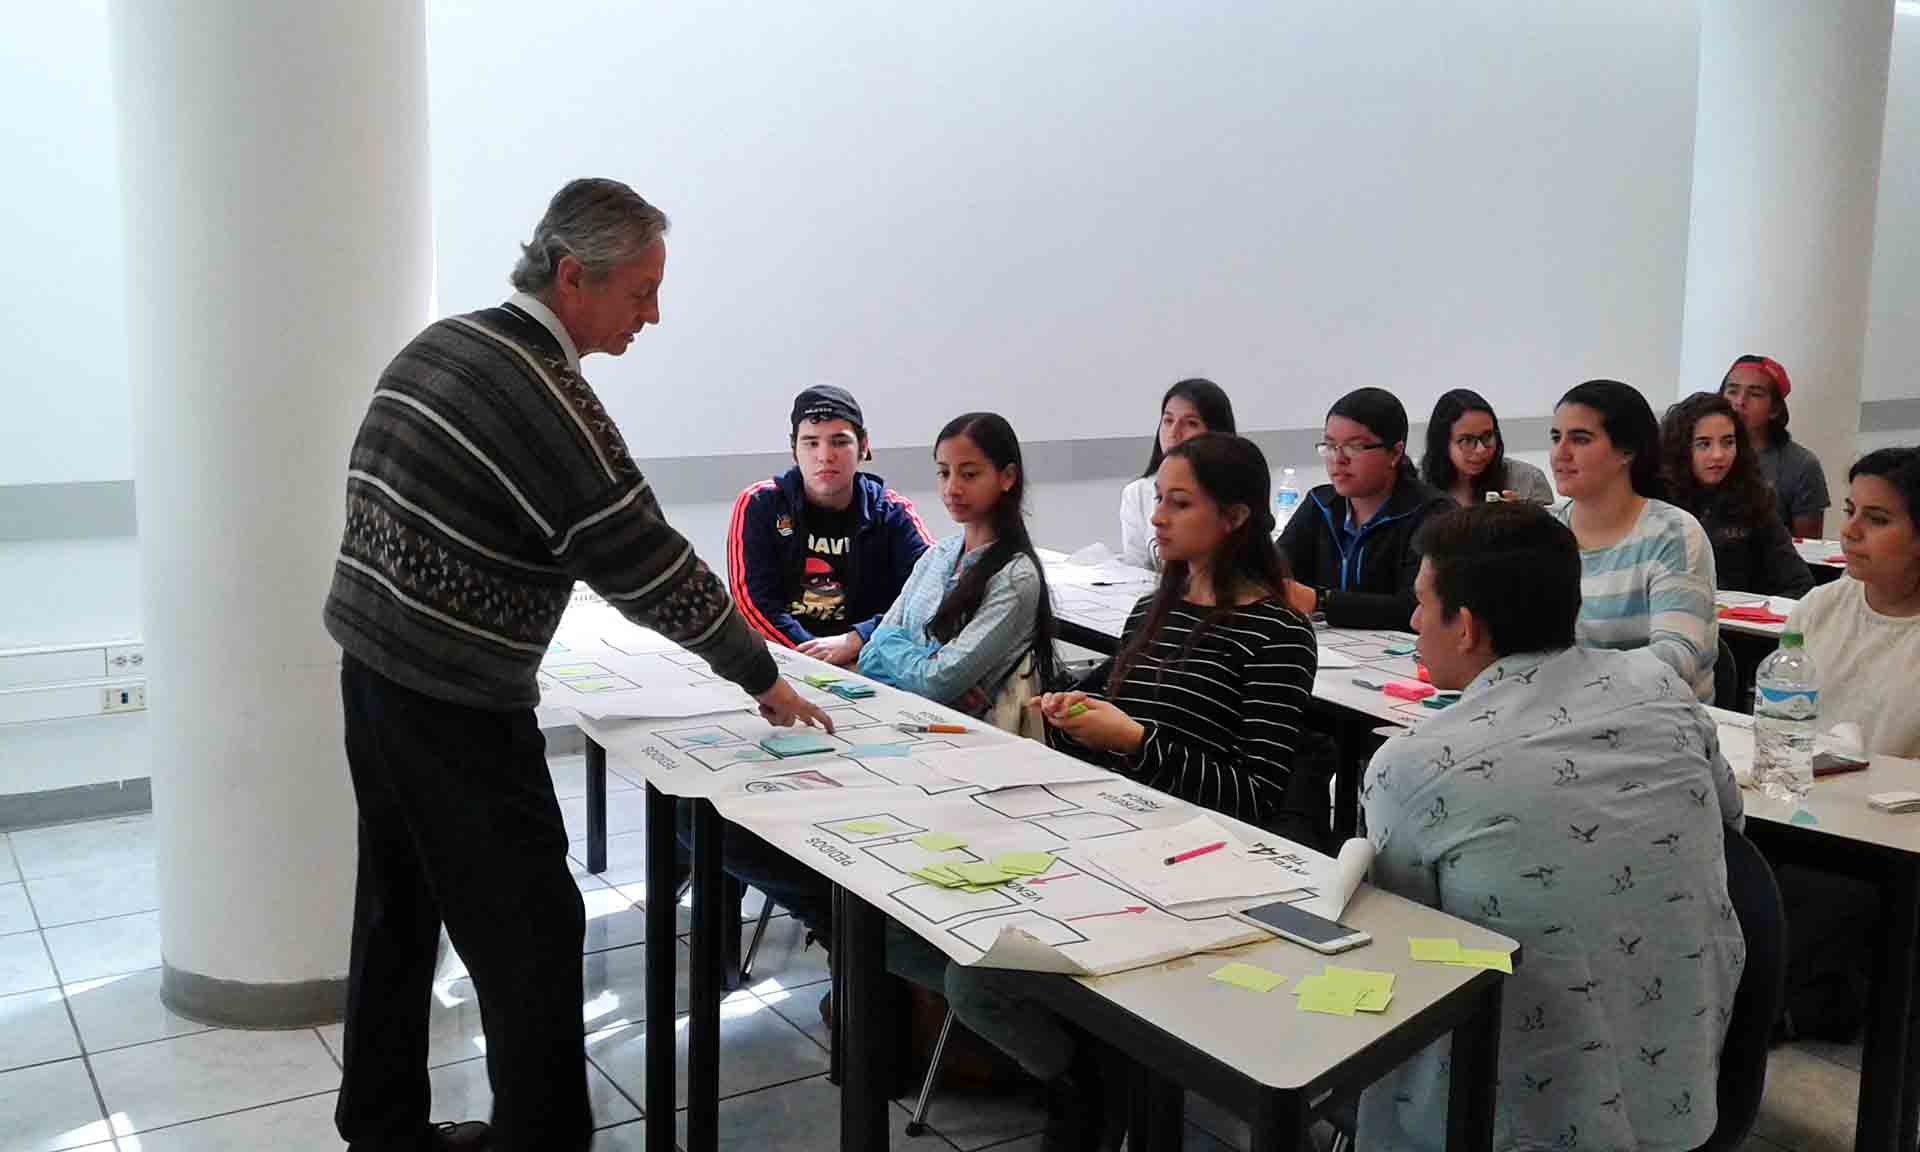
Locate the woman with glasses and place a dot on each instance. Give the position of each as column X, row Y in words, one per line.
column 1351, row 545
column 1646, row 566
column 1466, row 458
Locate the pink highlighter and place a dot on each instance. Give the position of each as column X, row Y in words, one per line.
column 1401, row 690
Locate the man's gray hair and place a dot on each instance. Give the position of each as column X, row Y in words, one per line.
column 600, row 223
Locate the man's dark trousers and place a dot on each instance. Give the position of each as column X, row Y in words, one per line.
column 458, row 823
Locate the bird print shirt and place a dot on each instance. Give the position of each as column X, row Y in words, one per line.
column 1572, row 801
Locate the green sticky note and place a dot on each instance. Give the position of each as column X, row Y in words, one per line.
column 939, row 841
column 1435, row 950
column 983, row 874
column 821, row 680
column 797, row 744
column 1802, row 816
column 1248, row 976
column 852, row 691
column 868, row 827
column 1024, row 863
column 1078, row 709
column 1316, row 993
column 943, row 878
column 1399, row 649
column 1485, row 958
column 1374, row 989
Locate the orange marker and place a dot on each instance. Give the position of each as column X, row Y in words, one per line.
column 955, row 729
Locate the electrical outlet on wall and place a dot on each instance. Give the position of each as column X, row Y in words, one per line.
column 125, row 659
column 123, row 698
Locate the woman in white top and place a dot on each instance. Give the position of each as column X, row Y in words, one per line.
column 1188, row 409
column 1864, row 628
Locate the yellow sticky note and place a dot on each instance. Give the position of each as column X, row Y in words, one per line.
column 938, row 841
column 985, row 874
column 1439, row 951
column 868, row 827
column 1024, row 863
column 1374, row 989
column 1248, row 976
column 1485, row 958
column 1318, row 994
column 943, row 878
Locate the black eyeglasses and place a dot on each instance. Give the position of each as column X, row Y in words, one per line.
column 1468, row 443
column 1329, row 450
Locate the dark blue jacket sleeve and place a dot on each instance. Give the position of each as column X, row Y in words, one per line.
column 755, row 568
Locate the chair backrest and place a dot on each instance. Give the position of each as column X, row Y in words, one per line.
column 1009, row 711
column 1726, row 678
column 1756, row 1006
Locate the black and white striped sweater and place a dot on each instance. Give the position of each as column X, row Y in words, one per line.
column 1222, row 723
column 485, row 479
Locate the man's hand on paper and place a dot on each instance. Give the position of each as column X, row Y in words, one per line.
column 1093, row 722
column 781, row 706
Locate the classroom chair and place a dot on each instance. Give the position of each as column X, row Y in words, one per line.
column 1756, row 1005
column 1726, row 678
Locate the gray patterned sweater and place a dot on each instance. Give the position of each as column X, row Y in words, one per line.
column 486, row 479
column 1572, row 801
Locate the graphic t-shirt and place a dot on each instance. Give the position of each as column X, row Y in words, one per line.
column 819, row 603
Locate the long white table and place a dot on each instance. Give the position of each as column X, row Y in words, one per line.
column 827, row 811
column 1823, row 556
column 1836, row 830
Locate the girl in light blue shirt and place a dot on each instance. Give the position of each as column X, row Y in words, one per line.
column 976, row 604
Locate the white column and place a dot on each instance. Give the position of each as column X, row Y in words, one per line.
column 1786, row 165
column 279, row 252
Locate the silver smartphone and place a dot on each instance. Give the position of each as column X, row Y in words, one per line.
column 1304, row 928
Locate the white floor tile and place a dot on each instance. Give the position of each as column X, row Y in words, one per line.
column 626, row 811
column 23, row 964
column 570, row 777
column 626, row 858
column 461, row 1092
column 8, row 873
column 785, row 957
column 1809, row 1103
column 757, row 1049
column 799, row 1007
column 613, row 920
column 116, row 1011
column 16, row 914
column 34, row 1029
column 123, row 842
column 195, row 1077
column 105, row 947
column 616, row 985
column 73, row 897
column 972, row 1119
column 798, row 1117
column 297, row 1126
column 628, row 1137
column 48, row 1107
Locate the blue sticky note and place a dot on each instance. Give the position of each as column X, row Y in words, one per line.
column 706, row 738
column 1399, row 649
column 1802, row 816
column 871, row 751
column 797, row 744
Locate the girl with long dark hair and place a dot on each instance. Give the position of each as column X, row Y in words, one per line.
column 1189, row 408
column 1710, row 472
column 1467, row 458
column 976, row 603
column 1646, row 566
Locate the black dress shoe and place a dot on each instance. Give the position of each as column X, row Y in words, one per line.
column 467, row 1136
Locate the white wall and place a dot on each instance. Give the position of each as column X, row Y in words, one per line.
column 1044, row 208
column 1893, row 327
column 63, row 312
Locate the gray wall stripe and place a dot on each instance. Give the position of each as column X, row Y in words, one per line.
column 105, row 508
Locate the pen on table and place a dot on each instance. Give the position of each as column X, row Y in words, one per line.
column 1200, row 851
column 955, row 729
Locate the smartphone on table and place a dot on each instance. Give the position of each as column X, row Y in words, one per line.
column 1304, row 928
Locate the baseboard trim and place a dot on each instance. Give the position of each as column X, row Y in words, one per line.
column 235, row 1004
column 67, row 805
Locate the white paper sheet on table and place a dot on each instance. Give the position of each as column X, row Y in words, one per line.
column 1010, row 765
column 1139, row 861
column 1334, row 658
column 1350, row 871
column 668, row 701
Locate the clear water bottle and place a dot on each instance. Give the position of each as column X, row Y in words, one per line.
column 1285, row 500
column 1786, row 706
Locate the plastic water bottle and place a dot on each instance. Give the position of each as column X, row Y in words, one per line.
column 1285, row 500
column 1786, row 706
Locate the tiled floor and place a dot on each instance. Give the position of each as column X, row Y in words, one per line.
column 89, row 1060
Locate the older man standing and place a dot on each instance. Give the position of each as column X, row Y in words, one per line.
column 486, row 479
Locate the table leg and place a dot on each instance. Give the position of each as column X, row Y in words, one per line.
column 1476, row 1064
column 661, row 962
column 733, row 892
column 860, row 966
column 1282, row 1127
column 836, row 1047
column 703, row 1029
column 596, row 807
column 1885, row 1116
column 1156, row 1111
